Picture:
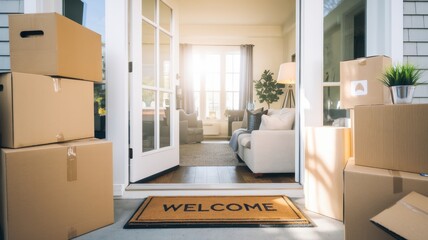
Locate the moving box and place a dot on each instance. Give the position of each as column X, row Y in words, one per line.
column 359, row 82
column 368, row 191
column 56, row 191
column 38, row 109
column 327, row 151
column 51, row 44
column 392, row 137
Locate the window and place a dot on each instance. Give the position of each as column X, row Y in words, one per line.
column 215, row 80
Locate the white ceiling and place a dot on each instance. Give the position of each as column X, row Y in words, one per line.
column 237, row 12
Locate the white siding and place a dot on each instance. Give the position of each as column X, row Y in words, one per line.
column 415, row 36
column 7, row 7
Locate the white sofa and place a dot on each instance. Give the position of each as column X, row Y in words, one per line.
column 268, row 151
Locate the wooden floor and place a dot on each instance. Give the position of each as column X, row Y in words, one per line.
column 222, row 174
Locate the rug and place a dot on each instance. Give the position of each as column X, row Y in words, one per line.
column 217, row 211
column 208, row 154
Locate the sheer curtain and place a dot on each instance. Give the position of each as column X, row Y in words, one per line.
column 246, row 79
column 186, row 78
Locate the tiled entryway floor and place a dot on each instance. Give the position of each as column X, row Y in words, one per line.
column 326, row 228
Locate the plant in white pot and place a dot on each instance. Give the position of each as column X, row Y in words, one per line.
column 401, row 80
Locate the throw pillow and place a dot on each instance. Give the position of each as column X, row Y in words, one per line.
column 245, row 118
column 254, row 120
column 274, row 123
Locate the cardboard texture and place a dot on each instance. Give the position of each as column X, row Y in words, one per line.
column 368, row 191
column 359, row 82
column 51, row 44
column 412, row 212
column 327, row 151
column 392, row 137
column 56, row 191
column 38, row 109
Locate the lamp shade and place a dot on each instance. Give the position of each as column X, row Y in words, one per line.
column 287, row 73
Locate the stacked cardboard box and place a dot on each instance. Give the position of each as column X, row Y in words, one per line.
column 56, row 180
column 389, row 150
column 326, row 152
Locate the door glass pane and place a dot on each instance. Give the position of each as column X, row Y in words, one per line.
column 148, row 120
column 165, row 16
column 165, row 60
column 331, row 105
column 149, row 9
column 149, row 54
column 165, row 119
column 343, row 40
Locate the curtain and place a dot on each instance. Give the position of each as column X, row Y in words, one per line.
column 186, row 77
column 246, row 79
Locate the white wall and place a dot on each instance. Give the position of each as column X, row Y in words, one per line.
column 267, row 40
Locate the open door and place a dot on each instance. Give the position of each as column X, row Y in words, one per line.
column 153, row 128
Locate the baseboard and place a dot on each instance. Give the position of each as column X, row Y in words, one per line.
column 118, row 190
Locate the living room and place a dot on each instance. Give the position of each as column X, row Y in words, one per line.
column 203, row 35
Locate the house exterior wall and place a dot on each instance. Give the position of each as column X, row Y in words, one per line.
column 415, row 41
column 7, row 7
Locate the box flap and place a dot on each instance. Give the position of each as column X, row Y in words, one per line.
column 408, row 218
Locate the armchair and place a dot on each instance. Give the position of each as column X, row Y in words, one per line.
column 191, row 129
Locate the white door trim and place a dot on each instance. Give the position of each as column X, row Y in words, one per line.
column 116, row 30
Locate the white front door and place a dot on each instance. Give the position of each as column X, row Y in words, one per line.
column 153, row 55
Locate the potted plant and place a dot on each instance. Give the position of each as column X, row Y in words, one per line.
column 401, row 79
column 267, row 89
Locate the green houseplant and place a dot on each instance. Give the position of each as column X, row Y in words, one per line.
column 267, row 89
column 401, row 79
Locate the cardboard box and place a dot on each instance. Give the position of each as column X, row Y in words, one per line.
column 327, row 151
column 368, row 191
column 51, row 44
column 38, row 109
column 392, row 137
column 56, row 191
column 359, row 82
column 408, row 218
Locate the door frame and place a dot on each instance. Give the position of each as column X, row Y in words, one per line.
column 309, row 56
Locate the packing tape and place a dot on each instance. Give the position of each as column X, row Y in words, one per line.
column 397, row 181
column 71, row 164
column 362, row 61
column 413, row 208
column 56, row 84
column 60, row 137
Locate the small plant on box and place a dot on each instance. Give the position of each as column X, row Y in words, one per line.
column 401, row 74
column 401, row 80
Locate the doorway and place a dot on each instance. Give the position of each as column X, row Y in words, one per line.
column 275, row 50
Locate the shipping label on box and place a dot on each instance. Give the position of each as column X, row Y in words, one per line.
column 359, row 82
column 392, row 137
column 38, row 109
column 45, row 196
column 51, row 44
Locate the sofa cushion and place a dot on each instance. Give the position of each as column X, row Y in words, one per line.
column 195, row 131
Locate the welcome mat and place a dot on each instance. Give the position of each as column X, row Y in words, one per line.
column 217, row 211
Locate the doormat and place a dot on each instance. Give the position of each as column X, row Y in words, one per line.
column 217, row 211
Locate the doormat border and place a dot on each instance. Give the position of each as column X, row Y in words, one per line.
column 219, row 224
